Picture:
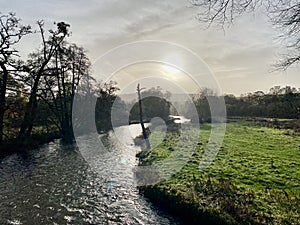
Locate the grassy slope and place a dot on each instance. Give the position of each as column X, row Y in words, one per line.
column 253, row 180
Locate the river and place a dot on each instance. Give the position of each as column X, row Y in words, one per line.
column 56, row 185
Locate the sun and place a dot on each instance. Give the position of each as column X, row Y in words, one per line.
column 172, row 64
column 170, row 69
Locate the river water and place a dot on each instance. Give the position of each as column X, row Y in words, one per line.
column 59, row 184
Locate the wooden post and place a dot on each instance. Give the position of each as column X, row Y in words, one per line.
column 141, row 117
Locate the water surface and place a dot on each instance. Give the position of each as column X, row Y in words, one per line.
column 59, row 184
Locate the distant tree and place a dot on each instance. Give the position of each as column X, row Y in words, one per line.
column 279, row 102
column 285, row 15
column 276, row 90
column 202, row 101
column 11, row 32
column 95, row 100
column 106, row 93
column 155, row 103
column 157, row 92
column 232, row 105
column 84, row 105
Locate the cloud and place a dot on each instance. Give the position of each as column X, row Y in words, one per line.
column 241, row 57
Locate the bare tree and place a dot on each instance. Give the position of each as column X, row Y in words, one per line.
column 139, row 89
column 11, row 32
column 58, row 86
column 36, row 68
column 285, row 15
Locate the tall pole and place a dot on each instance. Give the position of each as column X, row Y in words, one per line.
column 141, row 117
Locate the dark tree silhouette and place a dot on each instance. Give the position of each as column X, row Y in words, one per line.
column 37, row 68
column 11, row 32
column 57, row 88
column 279, row 102
column 106, row 96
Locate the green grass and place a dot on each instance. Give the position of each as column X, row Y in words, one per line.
column 253, row 180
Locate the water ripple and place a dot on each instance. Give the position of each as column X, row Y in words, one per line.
column 55, row 185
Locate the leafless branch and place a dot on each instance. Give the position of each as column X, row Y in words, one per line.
column 285, row 15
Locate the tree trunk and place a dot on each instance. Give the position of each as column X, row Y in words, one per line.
column 141, row 118
column 31, row 106
column 67, row 134
column 30, row 111
column 2, row 99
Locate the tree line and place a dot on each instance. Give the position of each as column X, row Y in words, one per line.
column 278, row 102
column 36, row 93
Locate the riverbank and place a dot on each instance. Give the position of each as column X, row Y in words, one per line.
column 253, row 180
column 286, row 124
column 35, row 140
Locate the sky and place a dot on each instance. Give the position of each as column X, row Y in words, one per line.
column 237, row 59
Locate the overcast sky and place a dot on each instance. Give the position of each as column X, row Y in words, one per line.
column 240, row 58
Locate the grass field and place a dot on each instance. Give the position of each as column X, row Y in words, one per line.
column 253, row 180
